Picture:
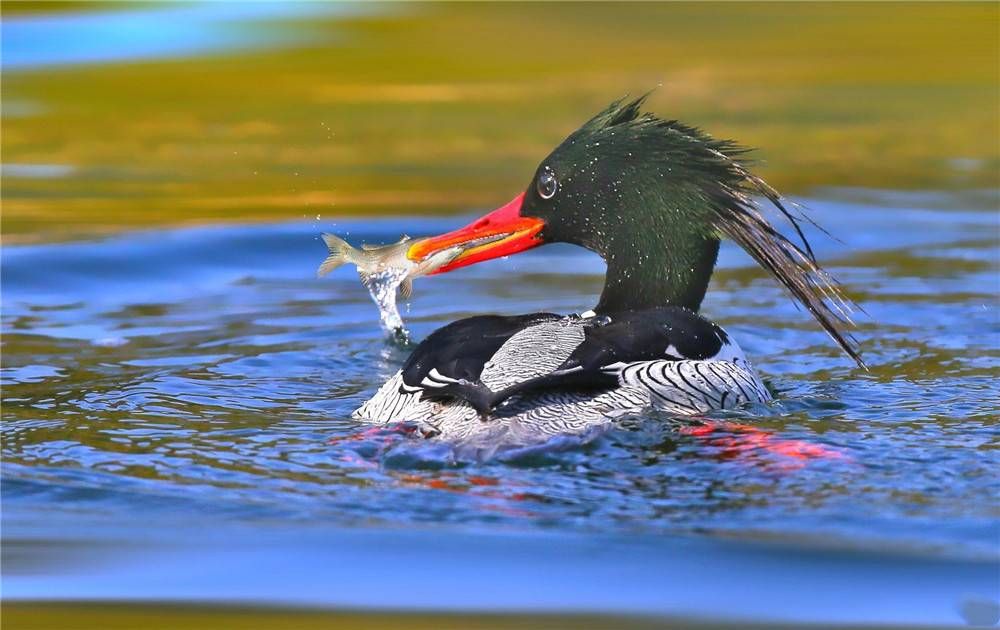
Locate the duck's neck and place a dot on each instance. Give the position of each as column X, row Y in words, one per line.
column 645, row 272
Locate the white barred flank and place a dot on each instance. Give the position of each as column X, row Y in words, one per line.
column 390, row 403
column 692, row 387
column 558, row 413
column 682, row 387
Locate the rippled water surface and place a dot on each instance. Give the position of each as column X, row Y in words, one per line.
column 205, row 376
column 176, row 399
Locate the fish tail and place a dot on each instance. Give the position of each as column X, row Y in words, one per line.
column 340, row 253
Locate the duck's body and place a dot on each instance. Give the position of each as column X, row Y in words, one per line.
column 653, row 198
column 542, row 374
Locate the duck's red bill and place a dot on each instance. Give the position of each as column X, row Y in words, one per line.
column 500, row 233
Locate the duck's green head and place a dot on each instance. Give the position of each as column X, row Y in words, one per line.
column 654, row 198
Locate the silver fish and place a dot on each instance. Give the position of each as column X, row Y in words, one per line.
column 384, row 269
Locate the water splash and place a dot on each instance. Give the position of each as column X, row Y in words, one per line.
column 383, row 286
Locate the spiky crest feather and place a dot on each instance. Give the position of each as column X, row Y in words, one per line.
column 736, row 213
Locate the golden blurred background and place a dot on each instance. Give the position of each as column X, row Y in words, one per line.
column 435, row 108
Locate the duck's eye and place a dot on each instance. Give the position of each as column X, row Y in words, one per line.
column 547, row 184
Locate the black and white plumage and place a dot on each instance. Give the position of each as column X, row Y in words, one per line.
column 653, row 198
column 542, row 374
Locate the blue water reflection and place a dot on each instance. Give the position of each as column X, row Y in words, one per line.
column 184, row 395
column 36, row 41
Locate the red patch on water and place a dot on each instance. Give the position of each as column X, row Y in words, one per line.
column 385, row 434
column 459, row 484
column 742, row 441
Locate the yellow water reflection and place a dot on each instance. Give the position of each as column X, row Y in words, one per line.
column 424, row 108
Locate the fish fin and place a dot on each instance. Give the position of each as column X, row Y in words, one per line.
column 406, row 289
column 340, row 253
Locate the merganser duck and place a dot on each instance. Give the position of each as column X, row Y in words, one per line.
column 653, row 197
